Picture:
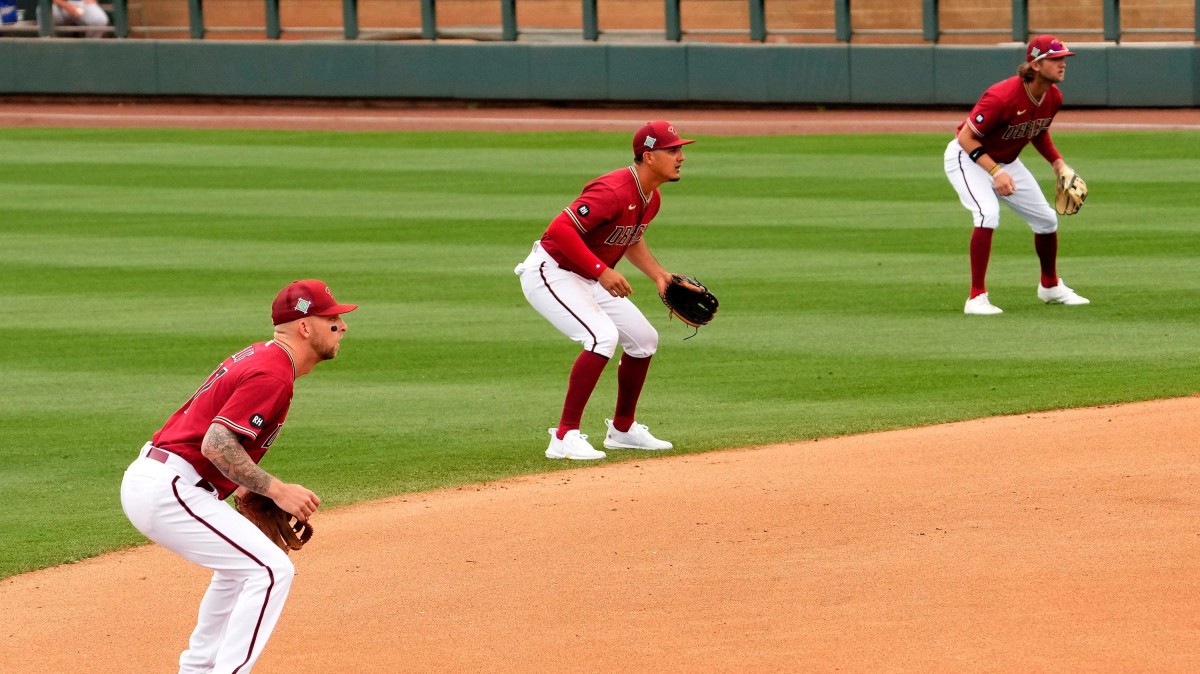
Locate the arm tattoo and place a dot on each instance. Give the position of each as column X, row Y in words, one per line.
column 221, row 446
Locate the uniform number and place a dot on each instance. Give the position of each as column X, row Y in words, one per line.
column 208, row 383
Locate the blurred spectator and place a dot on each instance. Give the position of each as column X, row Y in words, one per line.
column 81, row 13
column 8, row 11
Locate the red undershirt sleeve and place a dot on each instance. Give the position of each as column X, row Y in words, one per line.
column 1046, row 146
column 563, row 232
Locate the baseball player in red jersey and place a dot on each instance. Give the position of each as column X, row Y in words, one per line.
column 210, row 448
column 570, row 279
column 983, row 167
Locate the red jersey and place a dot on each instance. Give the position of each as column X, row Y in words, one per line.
column 610, row 215
column 249, row 394
column 1006, row 119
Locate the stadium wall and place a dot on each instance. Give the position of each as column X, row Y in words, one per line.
column 1102, row 75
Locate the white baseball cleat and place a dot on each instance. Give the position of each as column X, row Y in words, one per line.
column 1061, row 294
column 572, row 446
column 637, row 437
column 979, row 305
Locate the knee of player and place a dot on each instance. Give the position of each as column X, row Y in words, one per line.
column 605, row 342
column 282, row 571
column 1045, row 223
column 646, row 344
column 281, row 568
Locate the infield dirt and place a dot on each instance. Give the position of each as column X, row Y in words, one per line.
column 1062, row 541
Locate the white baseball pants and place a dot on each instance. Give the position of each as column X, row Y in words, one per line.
column 583, row 310
column 251, row 576
column 974, row 187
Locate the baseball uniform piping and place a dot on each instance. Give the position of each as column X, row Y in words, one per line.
column 289, row 355
column 542, row 272
column 248, row 432
column 968, row 185
column 578, row 225
column 270, row 574
column 645, row 199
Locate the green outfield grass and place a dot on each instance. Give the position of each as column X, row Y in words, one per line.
column 132, row 262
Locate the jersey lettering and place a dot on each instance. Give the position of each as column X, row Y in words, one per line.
column 271, row 438
column 244, row 353
column 620, row 235
column 1027, row 130
column 625, row 235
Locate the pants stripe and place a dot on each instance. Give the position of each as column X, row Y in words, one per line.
column 968, row 186
column 542, row 271
column 270, row 574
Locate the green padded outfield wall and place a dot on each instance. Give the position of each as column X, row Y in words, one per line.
column 1102, row 75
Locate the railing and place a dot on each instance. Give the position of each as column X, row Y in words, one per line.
column 508, row 31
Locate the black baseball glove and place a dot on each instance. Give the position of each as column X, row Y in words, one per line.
column 690, row 300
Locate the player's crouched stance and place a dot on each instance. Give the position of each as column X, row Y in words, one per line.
column 982, row 165
column 569, row 278
column 210, row 448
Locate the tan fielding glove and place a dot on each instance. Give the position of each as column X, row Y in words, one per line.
column 1070, row 191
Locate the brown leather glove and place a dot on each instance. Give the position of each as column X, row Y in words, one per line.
column 277, row 524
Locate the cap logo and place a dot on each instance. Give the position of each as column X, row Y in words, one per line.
column 650, row 141
column 302, row 305
column 1039, row 53
column 671, row 129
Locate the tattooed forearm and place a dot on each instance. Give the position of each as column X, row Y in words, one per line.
column 221, row 446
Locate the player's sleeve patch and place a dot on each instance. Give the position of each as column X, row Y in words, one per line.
column 979, row 118
column 257, row 421
column 583, row 210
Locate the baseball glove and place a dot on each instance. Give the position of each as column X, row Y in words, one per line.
column 688, row 299
column 280, row 526
column 1069, row 191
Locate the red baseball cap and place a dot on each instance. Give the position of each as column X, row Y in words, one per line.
column 656, row 136
column 306, row 298
column 1046, row 47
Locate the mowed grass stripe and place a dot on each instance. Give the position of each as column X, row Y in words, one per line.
column 840, row 262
